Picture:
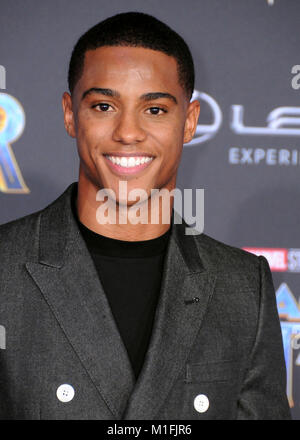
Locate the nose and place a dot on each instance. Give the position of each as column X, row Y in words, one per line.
column 128, row 129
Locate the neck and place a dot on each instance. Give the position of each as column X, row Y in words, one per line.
column 121, row 220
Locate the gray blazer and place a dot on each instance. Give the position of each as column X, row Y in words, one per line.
column 218, row 356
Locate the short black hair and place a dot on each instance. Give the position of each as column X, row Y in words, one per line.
column 134, row 29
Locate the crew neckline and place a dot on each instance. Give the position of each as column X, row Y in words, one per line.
column 107, row 246
column 102, row 245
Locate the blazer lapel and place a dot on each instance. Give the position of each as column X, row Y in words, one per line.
column 67, row 278
column 177, row 322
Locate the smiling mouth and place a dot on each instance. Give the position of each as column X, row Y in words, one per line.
column 129, row 164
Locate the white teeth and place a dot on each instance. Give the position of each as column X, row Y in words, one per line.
column 123, row 162
column 129, row 162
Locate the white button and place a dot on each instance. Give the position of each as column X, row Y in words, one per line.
column 65, row 392
column 201, row 403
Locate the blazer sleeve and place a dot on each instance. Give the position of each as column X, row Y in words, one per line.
column 263, row 393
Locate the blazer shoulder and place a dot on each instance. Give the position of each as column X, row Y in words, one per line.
column 235, row 269
column 18, row 236
column 20, row 222
column 225, row 257
column 26, row 228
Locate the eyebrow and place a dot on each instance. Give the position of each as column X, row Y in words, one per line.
column 101, row 91
column 114, row 94
column 157, row 95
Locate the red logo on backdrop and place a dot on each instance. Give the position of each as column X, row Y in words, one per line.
column 277, row 257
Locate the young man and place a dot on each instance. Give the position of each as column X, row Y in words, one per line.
column 107, row 320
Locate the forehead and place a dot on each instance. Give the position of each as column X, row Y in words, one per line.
column 133, row 68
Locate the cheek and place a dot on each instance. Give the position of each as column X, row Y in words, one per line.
column 169, row 142
column 167, row 135
column 91, row 135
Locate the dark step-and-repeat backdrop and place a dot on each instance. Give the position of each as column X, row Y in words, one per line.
column 246, row 152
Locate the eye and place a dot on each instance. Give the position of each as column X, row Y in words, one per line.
column 156, row 110
column 103, row 107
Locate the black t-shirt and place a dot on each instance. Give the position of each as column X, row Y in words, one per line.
column 130, row 273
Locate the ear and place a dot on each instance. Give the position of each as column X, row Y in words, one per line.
column 191, row 121
column 68, row 114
